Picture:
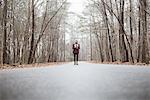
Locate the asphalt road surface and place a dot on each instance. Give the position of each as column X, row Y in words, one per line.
column 84, row 82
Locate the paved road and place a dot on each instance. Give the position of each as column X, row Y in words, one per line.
column 83, row 82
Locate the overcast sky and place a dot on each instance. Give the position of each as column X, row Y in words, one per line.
column 77, row 6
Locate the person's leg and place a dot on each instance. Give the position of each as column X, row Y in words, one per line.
column 74, row 59
column 77, row 58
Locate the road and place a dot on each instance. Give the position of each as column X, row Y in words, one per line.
column 84, row 82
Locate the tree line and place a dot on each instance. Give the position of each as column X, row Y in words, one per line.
column 32, row 31
column 119, row 30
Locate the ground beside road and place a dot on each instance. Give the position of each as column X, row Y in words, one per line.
column 14, row 66
column 52, row 64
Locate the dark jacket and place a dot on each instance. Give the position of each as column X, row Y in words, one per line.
column 76, row 49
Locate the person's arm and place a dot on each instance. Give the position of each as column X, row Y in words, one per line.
column 73, row 46
column 79, row 46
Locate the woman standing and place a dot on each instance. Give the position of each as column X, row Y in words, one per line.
column 76, row 48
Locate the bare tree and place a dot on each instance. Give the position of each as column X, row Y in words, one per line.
column 5, row 60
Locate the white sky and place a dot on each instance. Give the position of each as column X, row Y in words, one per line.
column 76, row 6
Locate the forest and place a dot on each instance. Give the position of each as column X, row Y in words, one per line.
column 42, row 31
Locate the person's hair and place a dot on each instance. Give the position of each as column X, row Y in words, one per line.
column 76, row 41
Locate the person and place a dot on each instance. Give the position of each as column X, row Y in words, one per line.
column 76, row 48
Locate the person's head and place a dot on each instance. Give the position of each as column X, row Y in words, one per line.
column 76, row 42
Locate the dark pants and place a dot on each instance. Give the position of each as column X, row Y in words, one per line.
column 76, row 58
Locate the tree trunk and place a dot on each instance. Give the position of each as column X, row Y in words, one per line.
column 131, row 29
column 139, row 37
column 31, row 55
column 123, row 48
column 5, row 33
column 108, row 34
column 145, row 51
